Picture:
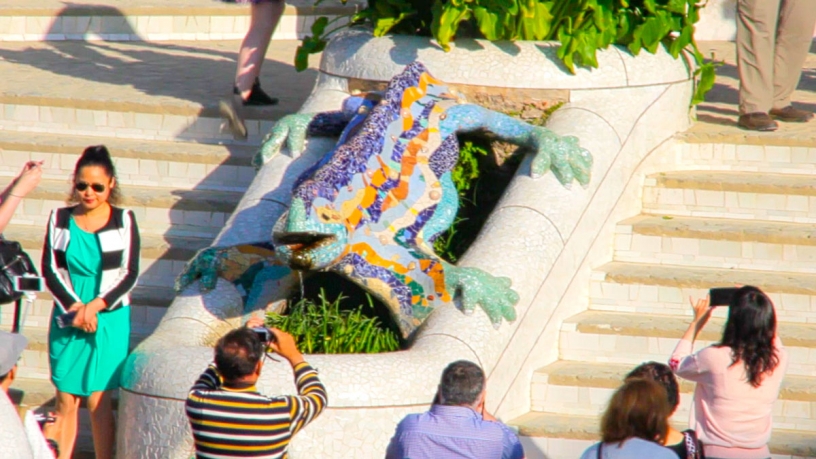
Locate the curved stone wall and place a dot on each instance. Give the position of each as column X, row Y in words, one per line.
column 539, row 235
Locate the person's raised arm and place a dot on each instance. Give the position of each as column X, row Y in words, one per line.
column 683, row 361
column 28, row 179
column 312, row 397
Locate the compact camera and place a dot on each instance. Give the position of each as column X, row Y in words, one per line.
column 264, row 334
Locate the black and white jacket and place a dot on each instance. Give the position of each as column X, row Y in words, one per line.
column 119, row 241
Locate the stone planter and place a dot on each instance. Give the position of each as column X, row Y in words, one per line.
column 538, row 236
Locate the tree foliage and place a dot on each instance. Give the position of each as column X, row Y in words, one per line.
column 581, row 26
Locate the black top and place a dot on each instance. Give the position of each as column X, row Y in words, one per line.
column 689, row 448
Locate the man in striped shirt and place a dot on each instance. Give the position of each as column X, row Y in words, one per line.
column 228, row 416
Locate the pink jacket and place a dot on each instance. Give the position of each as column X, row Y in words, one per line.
column 731, row 417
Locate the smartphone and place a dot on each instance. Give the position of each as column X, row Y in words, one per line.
column 721, row 296
column 28, row 283
column 66, row 319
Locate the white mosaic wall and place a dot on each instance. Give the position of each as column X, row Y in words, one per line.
column 624, row 111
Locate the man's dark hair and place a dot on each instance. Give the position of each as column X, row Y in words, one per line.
column 237, row 353
column 462, row 383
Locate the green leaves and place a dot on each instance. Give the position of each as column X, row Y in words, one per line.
column 326, row 328
column 582, row 26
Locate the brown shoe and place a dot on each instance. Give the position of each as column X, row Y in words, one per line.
column 757, row 121
column 791, row 115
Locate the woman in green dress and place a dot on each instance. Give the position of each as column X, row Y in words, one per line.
column 90, row 264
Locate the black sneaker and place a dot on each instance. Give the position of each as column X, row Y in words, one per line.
column 257, row 97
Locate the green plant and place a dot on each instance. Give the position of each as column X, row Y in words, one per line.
column 324, row 327
column 581, row 26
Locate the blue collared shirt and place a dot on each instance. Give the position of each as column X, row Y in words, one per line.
column 452, row 432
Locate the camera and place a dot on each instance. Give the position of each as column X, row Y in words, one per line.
column 264, row 334
column 28, row 283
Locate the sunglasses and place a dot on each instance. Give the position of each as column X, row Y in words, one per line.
column 82, row 186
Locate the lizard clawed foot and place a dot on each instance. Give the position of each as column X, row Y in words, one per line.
column 493, row 294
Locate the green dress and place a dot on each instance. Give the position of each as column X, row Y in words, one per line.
column 82, row 363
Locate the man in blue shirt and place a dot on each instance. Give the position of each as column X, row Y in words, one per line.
column 457, row 426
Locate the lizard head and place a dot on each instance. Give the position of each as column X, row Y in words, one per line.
column 309, row 241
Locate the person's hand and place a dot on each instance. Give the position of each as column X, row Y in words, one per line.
column 91, row 320
column 285, row 346
column 91, row 313
column 79, row 317
column 28, row 179
column 702, row 311
column 255, row 322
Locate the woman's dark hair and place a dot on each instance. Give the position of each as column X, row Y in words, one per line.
column 661, row 374
column 638, row 409
column 750, row 331
column 98, row 155
column 237, row 353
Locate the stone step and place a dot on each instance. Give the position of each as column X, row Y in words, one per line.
column 153, row 20
column 717, row 243
column 156, row 209
column 138, row 162
column 566, row 436
column 34, row 361
column 584, row 388
column 786, row 155
column 137, row 90
column 663, row 289
column 162, row 257
column 737, row 195
column 626, row 338
column 149, row 303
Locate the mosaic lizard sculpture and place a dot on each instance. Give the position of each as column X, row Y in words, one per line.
column 371, row 208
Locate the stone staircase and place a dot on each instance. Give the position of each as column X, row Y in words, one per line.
column 142, row 78
column 743, row 214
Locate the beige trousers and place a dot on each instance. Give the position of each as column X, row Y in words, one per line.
column 773, row 40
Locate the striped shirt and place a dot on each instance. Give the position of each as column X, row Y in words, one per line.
column 119, row 243
column 238, row 423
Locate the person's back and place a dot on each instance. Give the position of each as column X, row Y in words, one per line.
column 728, row 411
column 635, row 423
column 230, row 419
column 738, row 380
column 631, row 448
column 457, row 427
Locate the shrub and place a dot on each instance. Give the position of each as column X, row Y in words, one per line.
column 324, row 327
column 581, row 26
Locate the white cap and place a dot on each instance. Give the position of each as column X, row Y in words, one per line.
column 11, row 348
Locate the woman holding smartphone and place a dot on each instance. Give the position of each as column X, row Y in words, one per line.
column 738, row 379
column 90, row 263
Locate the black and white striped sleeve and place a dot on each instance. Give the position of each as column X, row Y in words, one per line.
column 52, row 262
column 128, row 273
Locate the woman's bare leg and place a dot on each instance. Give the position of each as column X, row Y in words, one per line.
column 103, row 424
column 67, row 423
column 264, row 19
